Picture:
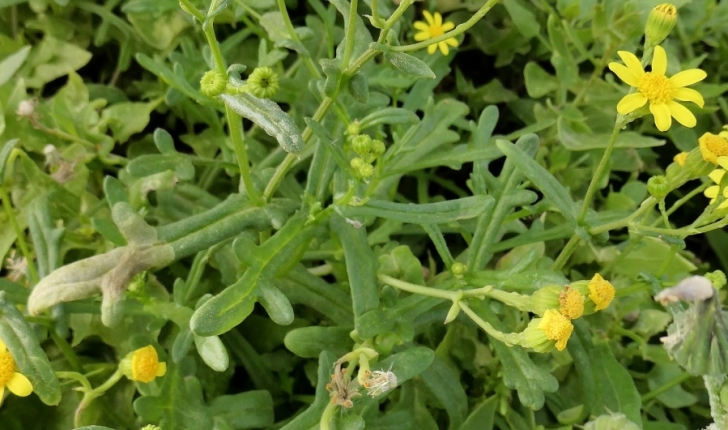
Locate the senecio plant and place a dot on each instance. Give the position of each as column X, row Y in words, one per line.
column 344, row 214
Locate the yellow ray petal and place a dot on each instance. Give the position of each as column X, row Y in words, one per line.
column 419, row 25
column 688, row 95
column 438, row 19
column 724, row 204
column 723, row 162
column 624, row 74
column 688, row 77
column 717, row 175
column 682, row 114
column 444, row 48
column 20, row 385
column 452, row 42
column 448, row 26
column 661, row 112
column 422, row 35
column 428, row 17
column 631, row 102
column 633, row 63
column 432, row 48
column 659, row 61
column 711, row 192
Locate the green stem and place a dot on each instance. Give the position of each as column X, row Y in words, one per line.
column 401, row 9
column 417, row 289
column 508, row 339
column 717, row 410
column 66, row 350
column 350, row 34
column 457, row 31
column 327, row 415
column 192, row 9
column 666, row 387
column 594, row 184
column 375, row 13
column 209, row 28
column 89, row 396
column 236, row 133
column 19, row 233
column 565, row 253
column 294, row 36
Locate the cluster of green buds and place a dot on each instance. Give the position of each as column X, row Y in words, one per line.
column 368, row 150
column 262, row 83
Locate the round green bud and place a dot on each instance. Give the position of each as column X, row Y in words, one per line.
column 545, row 298
column 366, row 171
column 213, row 83
column 151, row 427
column 716, row 278
column 378, row 147
column 263, row 82
column 356, row 163
column 660, row 22
column 362, row 144
column 658, row 186
column 458, row 269
column 353, row 129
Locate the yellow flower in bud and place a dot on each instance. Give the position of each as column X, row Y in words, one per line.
column 17, row 383
column 143, row 365
column 556, row 327
column 713, row 146
column 601, row 292
column 571, row 303
column 680, row 158
column 660, row 22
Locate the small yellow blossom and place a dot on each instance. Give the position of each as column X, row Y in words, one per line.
column 143, row 365
column 657, row 89
column 434, row 27
column 557, row 327
column 571, row 303
column 717, row 175
column 712, row 147
column 601, row 292
column 680, row 158
column 17, row 383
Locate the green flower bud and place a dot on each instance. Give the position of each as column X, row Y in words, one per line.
column 366, row 171
column 716, row 278
column 545, row 298
column 151, row 427
column 362, row 144
column 263, row 82
column 458, row 269
column 453, row 312
column 378, row 148
column 535, row 338
column 356, row 163
column 660, row 22
column 695, row 166
column 213, row 83
column 353, row 129
column 658, row 186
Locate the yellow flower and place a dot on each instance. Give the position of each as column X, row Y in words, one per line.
column 557, row 327
column 571, row 303
column 434, row 27
column 601, row 292
column 657, row 89
column 17, row 383
column 680, row 158
column 714, row 191
column 143, row 365
column 712, row 147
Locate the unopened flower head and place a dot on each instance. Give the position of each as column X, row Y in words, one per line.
column 434, row 27
column 660, row 22
column 213, row 83
column 680, row 158
column 658, row 90
column 16, row 382
column 557, row 328
column 658, row 187
column 571, row 303
column 263, row 82
column 714, row 191
column 143, row 365
column 712, row 147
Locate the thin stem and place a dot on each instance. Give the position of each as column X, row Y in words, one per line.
column 457, row 31
column 350, row 34
column 294, row 36
column 375, row 13
column 566, row 253
column 389, row 23
column 192, row 9
column 594, row 184
column 19, row 233
column 327, row 415
column 209, row 28
column 508, row 339
column 66, row 350
column 236, row 133
column 666, row 387
column 89, row 396
column 417, row 289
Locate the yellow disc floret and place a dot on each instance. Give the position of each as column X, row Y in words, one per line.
column 713, row 146
column 7, row 367
column 556, row 327
column 145, row 365
column 571, row 303
column 601, row 292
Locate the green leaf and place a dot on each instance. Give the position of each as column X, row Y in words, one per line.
column 213, row 352
column 170, row 78
column 521, row 374
column 583, row 140
column 524, row 20
column 46, row 236
column 649, row 257
column 54, row 58
column 483, row 416
column 267, row 115
column 614, row 385
column 10, row 64
column 310, row 342
column 127, row 118
column 429, row 213
column 538, row 81
column 332, row 70
column 390, row 115
column 358, row 87
column 275, row 303
column 542, row 179
column 312, row 415
column 444, row 385
column 333, row 147
column 4, row 156
column 613, row 421
column 409, row 64
column 30, row 359
column 251, row 409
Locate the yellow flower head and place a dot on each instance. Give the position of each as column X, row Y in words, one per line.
column 143, row 365
column 434, row 27
column 717, row 175
column 657, row 89
column 601, row 292
column 680, row 159
column 571, row 303
column 17, row 383
column 557, row 327
column 712, row 147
